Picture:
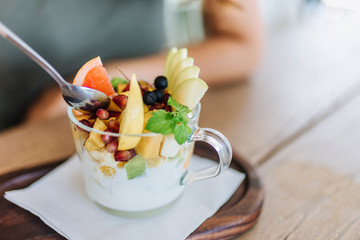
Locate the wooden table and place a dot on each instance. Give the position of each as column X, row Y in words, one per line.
column 297, row 120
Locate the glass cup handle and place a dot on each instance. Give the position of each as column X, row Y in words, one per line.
column 223, row 148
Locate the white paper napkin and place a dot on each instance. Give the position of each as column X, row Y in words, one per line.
column 60, row 201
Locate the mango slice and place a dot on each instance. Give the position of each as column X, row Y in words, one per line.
column 149, row 147
column 94, row 141
column 121, row 87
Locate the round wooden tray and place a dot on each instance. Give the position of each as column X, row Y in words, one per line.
column 235, row 217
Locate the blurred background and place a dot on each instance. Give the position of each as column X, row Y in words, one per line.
column 295, row 28
column 309, row 69
column 184, row 21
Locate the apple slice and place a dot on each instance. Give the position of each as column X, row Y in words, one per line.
column 178, row 56
column 104, row 157
column 169, row 56
column 184, row 63
column 187, row 73
column 132, row 118
column 190, row 92
column 169, row 146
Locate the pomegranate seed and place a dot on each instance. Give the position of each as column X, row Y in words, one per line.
column 144, row 88
column 122, row 156
column 93, row 116
column 113, row 126
column 102, row 114
column 96, row 104
column 114, row 114
column 166, row 98
column 167, row 108
column 112, row 145
column 155, row 106
column 127, row 88
column 106, row 138
column 121, row 101
column 133, row 153
column 86, row 123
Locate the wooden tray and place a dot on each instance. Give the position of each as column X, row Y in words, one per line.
column 234, row 218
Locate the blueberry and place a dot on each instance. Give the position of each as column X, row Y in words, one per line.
column 149, row 98
column 161, row 82
column 159, row 95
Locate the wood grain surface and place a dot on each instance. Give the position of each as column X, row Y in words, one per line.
column 236, row 216
column 307, row 72
column 312, row 186
column 30, row 145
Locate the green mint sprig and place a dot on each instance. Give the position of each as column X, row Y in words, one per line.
column 175, row 122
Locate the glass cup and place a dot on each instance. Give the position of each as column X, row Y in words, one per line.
column 164, row 168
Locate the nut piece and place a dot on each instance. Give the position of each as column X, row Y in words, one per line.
column 108, row 171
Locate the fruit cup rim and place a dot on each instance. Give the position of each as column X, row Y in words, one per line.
column 73, row 119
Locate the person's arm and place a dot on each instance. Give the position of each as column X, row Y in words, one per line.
column 229, row 53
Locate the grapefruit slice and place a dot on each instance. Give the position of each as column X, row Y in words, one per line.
column 93, row 75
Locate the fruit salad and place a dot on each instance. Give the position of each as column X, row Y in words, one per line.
column 139, row 144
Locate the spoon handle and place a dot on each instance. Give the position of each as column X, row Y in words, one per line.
column 6, row 33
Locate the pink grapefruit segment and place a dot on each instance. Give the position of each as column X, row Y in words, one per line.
column 93, row 75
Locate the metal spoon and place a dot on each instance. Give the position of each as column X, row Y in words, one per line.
column 81, row 98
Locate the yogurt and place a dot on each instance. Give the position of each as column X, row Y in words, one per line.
column 157, row 187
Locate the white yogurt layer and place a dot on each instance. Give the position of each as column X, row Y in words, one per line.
column 157, row 187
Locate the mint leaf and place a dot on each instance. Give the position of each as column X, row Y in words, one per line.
column 180, row 108
column 181, row 132
column 161, row 122
column 171, row 122
column 116, row 80
column 181, row 118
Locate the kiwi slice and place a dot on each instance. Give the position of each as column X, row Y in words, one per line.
column 135, row 167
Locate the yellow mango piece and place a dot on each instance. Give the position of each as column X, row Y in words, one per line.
column 121, row 164
column 149, row 146
column 146, row 109
column 108, row 120
column 113, row 107
column 83, row 117
column 80, row 115
column 145, row 84
column 126, row 93
column 94, row 141
column 121, row 87
column 154, row 162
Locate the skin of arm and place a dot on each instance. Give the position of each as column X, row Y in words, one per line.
column 229, row 53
